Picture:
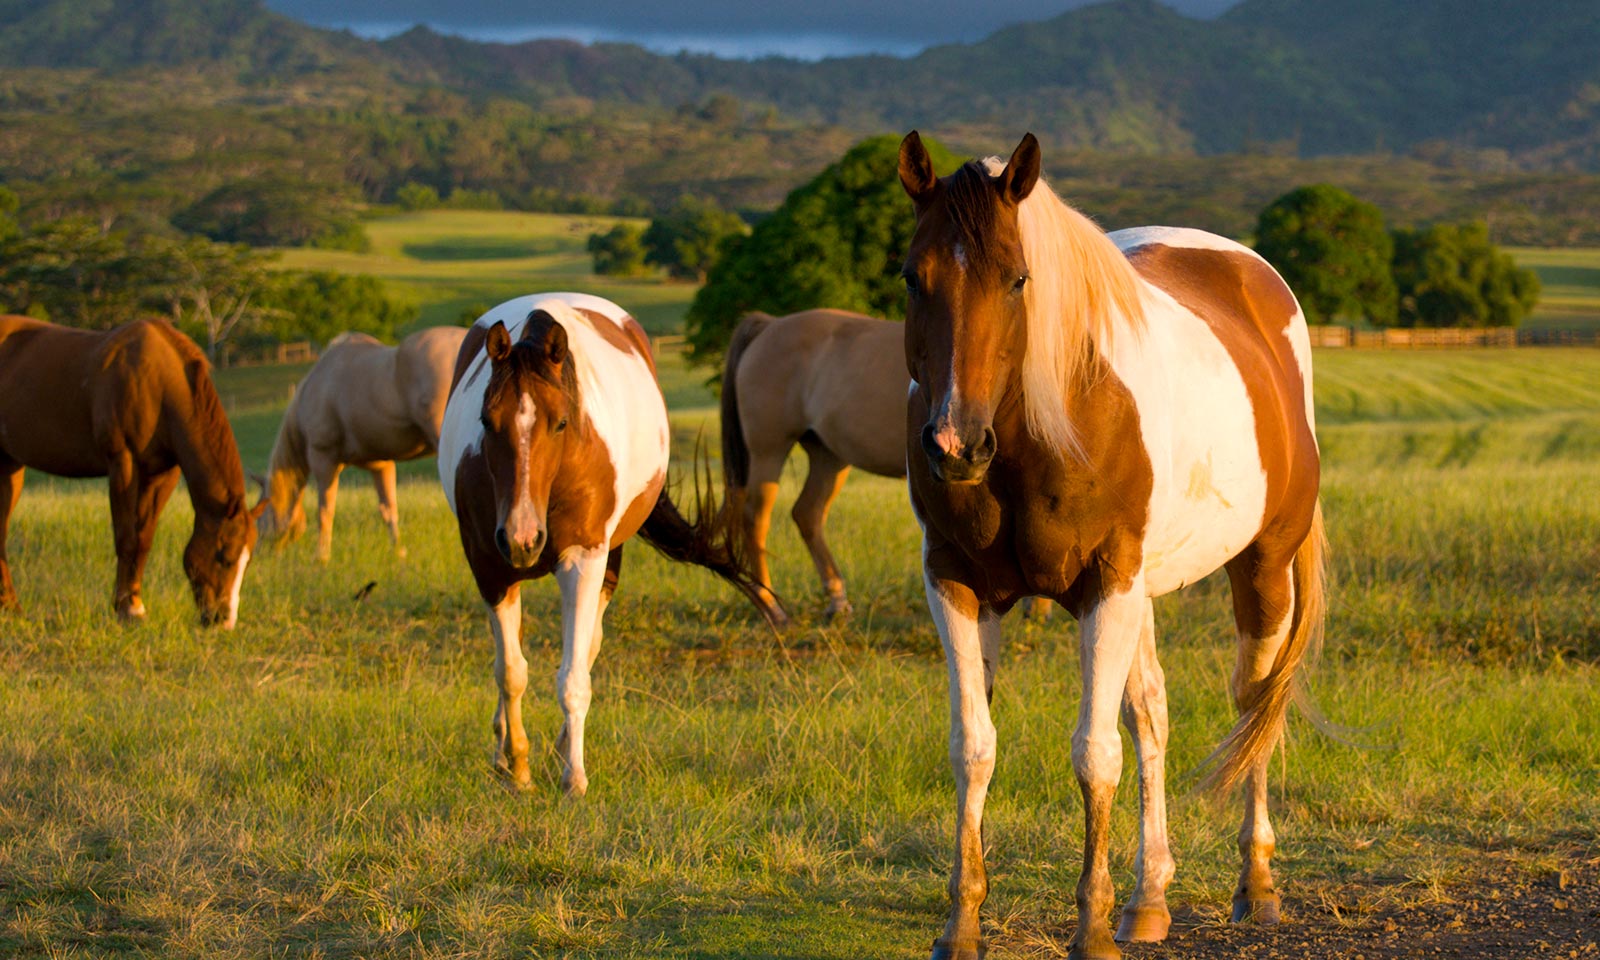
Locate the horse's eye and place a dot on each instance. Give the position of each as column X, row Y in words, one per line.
column 562, row 425
column 911, row 285
column 483, row 419
column 1022, row 281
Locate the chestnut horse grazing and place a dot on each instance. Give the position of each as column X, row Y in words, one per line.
column 135, row 405
column 363, row 403
column 835, row 383
column 1101, row 420
column 553, row 453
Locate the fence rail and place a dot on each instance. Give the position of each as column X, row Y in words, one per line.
column 1445, row 338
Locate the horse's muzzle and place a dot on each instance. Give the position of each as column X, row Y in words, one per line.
column 957, row 461
column 521, row 553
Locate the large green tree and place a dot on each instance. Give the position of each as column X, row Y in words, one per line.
column 319, row 305
column 688, row 238
column 619, row 252
column 1333, row 250
column 1450, row 275
column 838, row 241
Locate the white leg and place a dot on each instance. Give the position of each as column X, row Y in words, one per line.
column 1144, row 712
column 511, row 674
column 971, row 636
column 1109, row 639
column 581, row 574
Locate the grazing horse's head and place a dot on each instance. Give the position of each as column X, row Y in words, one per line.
column 216, row 558
column 966, row 315
column 527, row 407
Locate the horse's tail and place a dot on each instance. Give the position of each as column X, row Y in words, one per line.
column 287, row 469
column 1262, row 724
column 710, row 540
column 735, row 452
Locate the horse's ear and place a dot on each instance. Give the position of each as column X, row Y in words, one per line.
column 260, row 508
column 555, row 344
column 916, row 169
column 498, row 343
column 1017, row 180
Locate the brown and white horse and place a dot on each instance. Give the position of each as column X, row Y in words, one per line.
column 1101, row 420
column 135, row 405
column 364, row 403
column 553, row 453
column 833, row 382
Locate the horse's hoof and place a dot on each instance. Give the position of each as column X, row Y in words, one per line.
column 517, row 781
column 838, row 611
column 1262, row 911
column 132, row 611
column 574, row 784
column 400, row 552
column 1144, row 925
column 1096, row 944
column 959, row 949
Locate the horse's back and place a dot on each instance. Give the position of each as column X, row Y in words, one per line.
column 349, row 407
column 1222, row 380
column 839, row 375
column 423, row 369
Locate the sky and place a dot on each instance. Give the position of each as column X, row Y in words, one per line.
column 806, row 29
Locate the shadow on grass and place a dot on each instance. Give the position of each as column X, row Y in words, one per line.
column 487, row 248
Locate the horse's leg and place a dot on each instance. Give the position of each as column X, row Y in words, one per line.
column 825, row 476
column 971, row 635
column 608, row 587
column 1108, row 643
column 1144, row 712
column 122, row 480
column 761, row 492
column 154, row 491
column 326, row 470
column 388, row 503
column 10, row 490
column 1263, row 599
column 1037, row 608
column 511, row 674
column 581, row 574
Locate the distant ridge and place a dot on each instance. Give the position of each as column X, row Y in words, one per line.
column 1307, row 76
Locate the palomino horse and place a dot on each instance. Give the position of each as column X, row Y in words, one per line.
column 136, row 405
column 363, row 403
column 553, row 454
column 829, row 380
column 1101, row 420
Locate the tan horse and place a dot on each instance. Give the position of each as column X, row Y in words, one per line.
column 833, row 382
column 1102, row 419
column 363, row 403
column 136, row 405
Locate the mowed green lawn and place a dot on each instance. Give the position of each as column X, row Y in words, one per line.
column 1570, row 280
column 317, row 782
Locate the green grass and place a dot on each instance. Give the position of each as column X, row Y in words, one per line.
column 447, row 261
column 316, row 783
column 1570, row 278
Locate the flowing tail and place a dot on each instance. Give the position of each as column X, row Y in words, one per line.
column 711, row 540
column 1261, row 726
column 735, row 454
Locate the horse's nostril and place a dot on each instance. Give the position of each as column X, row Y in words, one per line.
column 984, row 452
column 502, row 542
column 929, row 445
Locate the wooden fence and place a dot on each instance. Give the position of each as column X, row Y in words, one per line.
column 1444, row 338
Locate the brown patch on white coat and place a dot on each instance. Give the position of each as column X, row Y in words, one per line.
column 1052, row 437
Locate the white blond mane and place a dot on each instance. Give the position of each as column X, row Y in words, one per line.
column 1081, row 293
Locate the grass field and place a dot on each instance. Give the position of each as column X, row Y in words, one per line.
column 316, row 783
column 1570, row 279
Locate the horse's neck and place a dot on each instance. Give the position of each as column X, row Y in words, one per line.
column 288, row 468
column 209, row 460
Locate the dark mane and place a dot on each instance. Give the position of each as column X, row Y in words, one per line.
column 528, row 357
column 209, row 419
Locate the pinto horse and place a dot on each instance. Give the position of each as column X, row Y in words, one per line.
column 553, row 453
column 1101, row 420
column 135, row 405
column 364, row 403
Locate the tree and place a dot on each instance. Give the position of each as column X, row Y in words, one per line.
column 8, row 215
column 212, row 290
column 619, row 252
column 276, row 211
column 319, row 305
column 686, row 240
column 1450, row 275
column 417, row 196
column 73, row 271
column 838, row 241
column 1333, row 251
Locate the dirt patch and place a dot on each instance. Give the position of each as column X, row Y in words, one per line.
column 1505, row 910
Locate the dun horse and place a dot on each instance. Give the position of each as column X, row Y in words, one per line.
column 835, row 383
column 554, row 453
column 363, row 403
column 1100, row 420
column 135, row 405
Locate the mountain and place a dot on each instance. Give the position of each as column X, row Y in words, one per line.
column 1125, row 75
